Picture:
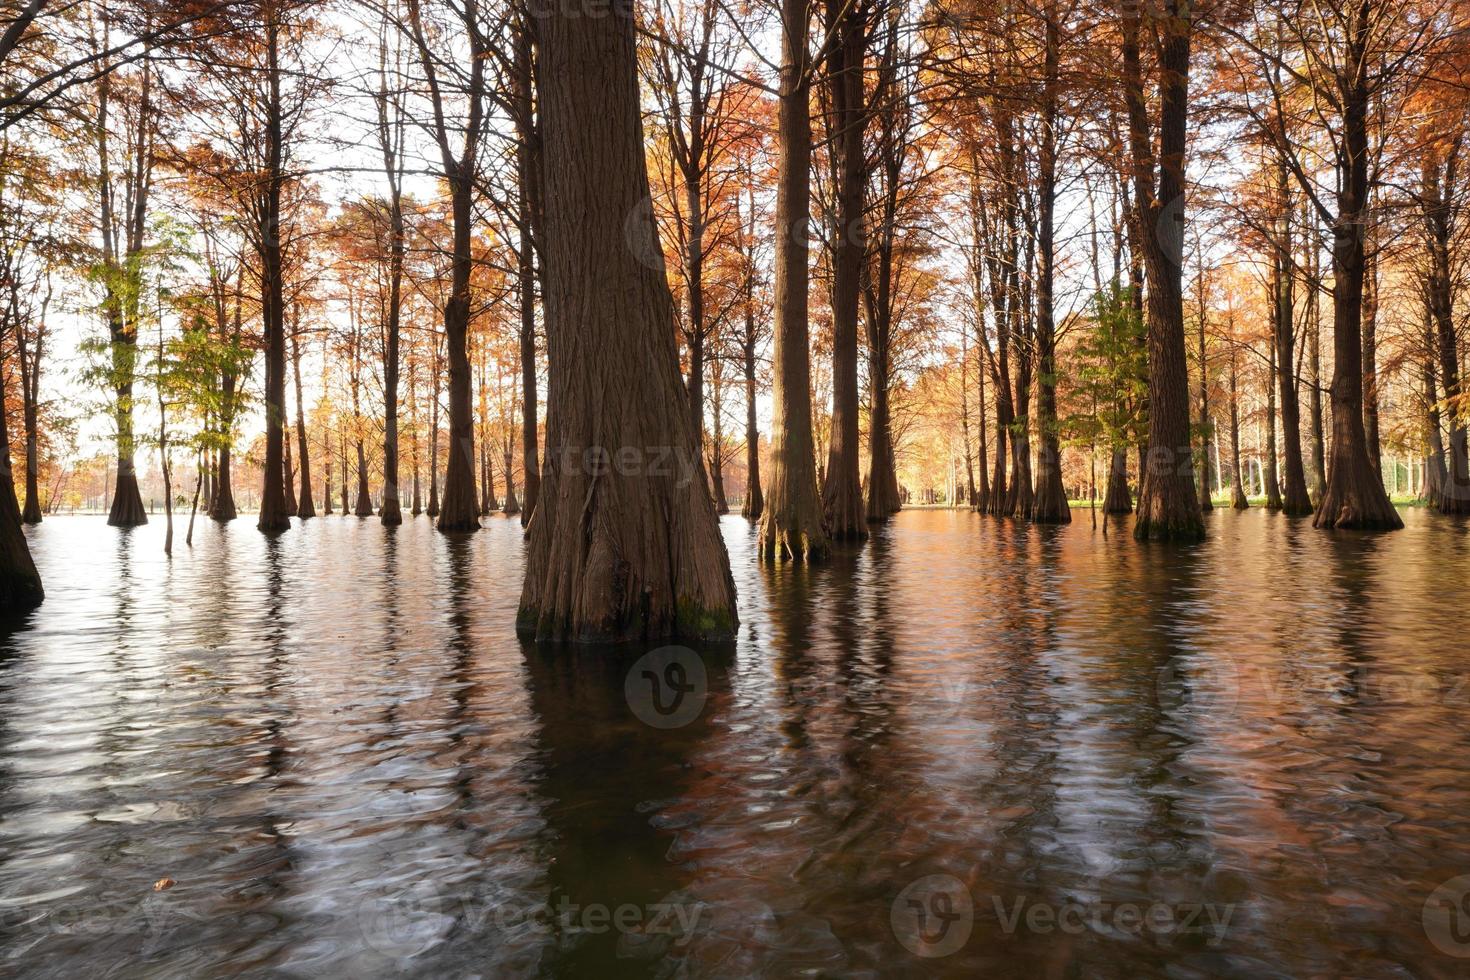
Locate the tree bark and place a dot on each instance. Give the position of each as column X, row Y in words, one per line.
column 1439, row 192
column 20, row 583
column 791, row 523
column 1295, row 502
column 273, row 515
column 842, row 491
column 1370, row 363
column 528, row 165
column 305, row 507
column 1169, row 508
column 1050, row 503
column 1237, row 479
column 622, row 546
column 1354, row 497
column 754, row 503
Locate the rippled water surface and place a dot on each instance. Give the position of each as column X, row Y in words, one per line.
column 969, row 748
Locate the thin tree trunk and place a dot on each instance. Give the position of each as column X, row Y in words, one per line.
column 273, row 514
column 1237, row 480
column 1050, row 504
column 528, row 184
column 305, row 507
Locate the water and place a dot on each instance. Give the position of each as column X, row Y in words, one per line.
column 970, row 748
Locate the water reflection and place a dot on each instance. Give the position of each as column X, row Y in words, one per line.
column 334, row 746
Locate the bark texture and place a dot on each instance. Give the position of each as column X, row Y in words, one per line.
column 1169, row 507
column 791, row 523
column 624, row 544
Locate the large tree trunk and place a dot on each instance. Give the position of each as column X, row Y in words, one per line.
column 1354, row 497
column 791, row 524
column 1169, row 508
column 623, row 545
column 842, row 491
column 511, row 506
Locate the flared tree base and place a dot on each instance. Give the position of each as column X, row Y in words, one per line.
column 127, row 504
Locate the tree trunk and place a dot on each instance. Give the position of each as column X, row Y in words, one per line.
column 1169, row 508
column 1354, row 497
column 528, row 172
column 623, row 546
column 1271, row 478
column 433, row 509
column 1050, row 504
column 1118, row 499
column 842, row 491
column 391, row 510
column 288, row 492
column 1237, row 479
column 1314, row 359
column 1370, row 363
column 413, row 407
column 273, row 516
column 1296, row 502
column 1439, row 194
column 364, row 507
column 20, row 583
column 754, row 503
column 1435, row 475
column 32, row 512
column 305, row 507
column 791, row 523
column 511, row 506
column 457, row 509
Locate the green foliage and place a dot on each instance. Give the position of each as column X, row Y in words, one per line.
column 1112, row 374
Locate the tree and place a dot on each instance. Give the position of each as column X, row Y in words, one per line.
column 620, row 547
column 1168, row 507
column 842, row 492
column 1341, row 58
column 453, row 53
column 791, row 521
